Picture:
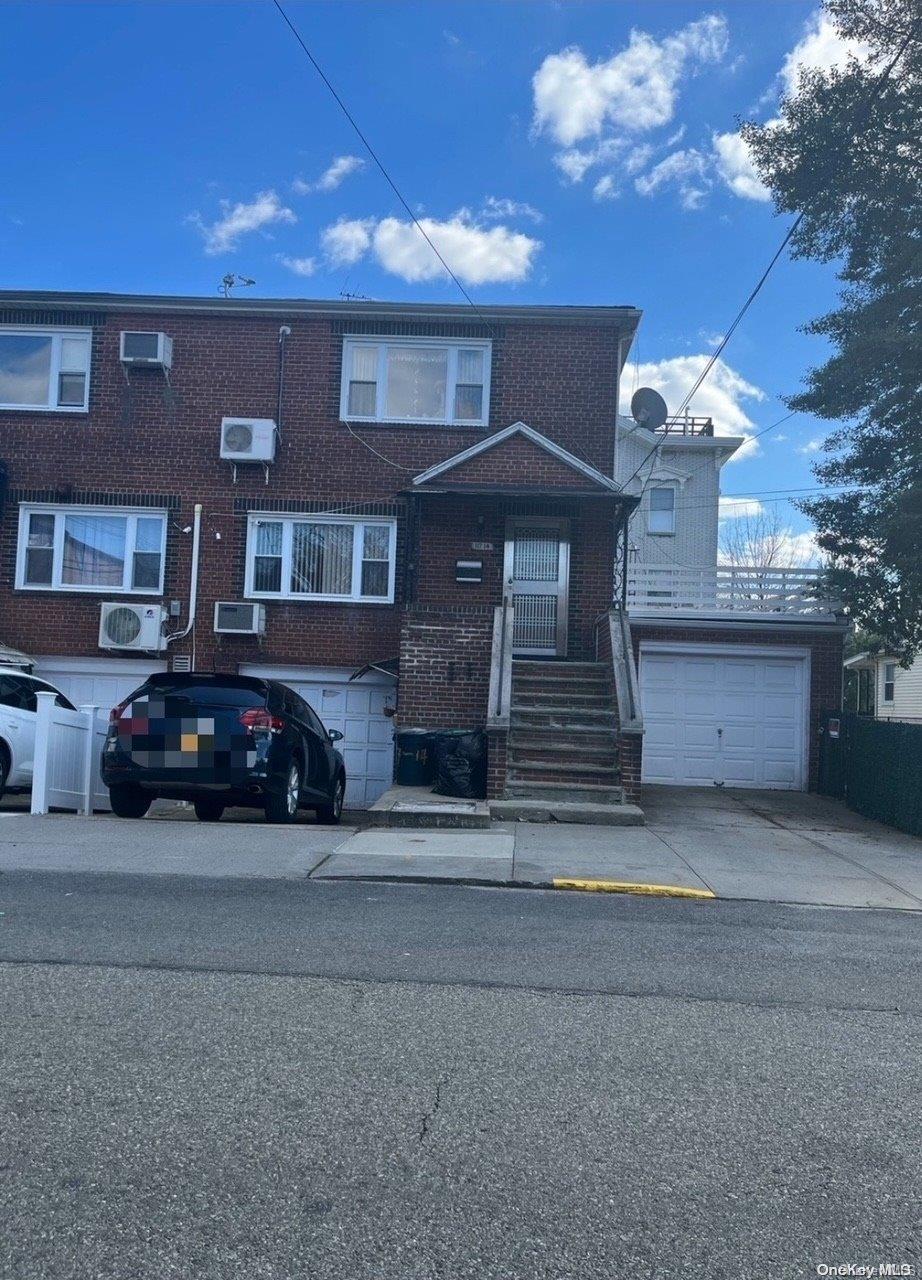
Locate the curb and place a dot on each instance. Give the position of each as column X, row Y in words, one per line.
column 627, row 886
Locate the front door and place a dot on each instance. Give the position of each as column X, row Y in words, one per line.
column 537, row 572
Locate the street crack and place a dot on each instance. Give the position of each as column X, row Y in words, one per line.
column 428, row 1116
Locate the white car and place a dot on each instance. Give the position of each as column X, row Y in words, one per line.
column 17, row 725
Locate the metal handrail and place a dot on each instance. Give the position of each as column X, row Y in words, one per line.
column 500, row 694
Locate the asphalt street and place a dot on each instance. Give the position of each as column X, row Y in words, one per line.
column 231, row 1078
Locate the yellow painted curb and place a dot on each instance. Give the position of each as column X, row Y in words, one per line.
column 626, row 886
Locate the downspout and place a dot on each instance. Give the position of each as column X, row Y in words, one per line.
column 193, row 581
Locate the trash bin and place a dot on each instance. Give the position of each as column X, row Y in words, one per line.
column 461, row 763
column 414, row 763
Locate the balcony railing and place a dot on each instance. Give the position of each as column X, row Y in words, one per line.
column 662, row 589
column 687, row 425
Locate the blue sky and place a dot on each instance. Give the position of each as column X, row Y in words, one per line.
column 564, row 153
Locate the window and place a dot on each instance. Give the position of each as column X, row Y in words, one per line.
column 44, row 369
column 20, row 691
column 90, row 549
column 321, row 558
column 661, row 517
column 889, row 680
column 416, row 381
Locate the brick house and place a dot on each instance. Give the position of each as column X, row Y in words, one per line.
column 440, row 496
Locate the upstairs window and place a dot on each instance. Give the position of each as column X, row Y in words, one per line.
column 661, row 517
column 416, row 381
column 91, row 549
column 44, row 369
column 321, row 558
column 889, row 681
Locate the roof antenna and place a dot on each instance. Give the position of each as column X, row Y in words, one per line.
column 230, row 281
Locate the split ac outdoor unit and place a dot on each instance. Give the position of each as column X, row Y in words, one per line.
column 153, row 350
column 248, row 439
column 131, row 626
column 239, row 619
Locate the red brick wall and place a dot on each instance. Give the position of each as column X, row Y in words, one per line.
column 826, row 653
column 142, row 438
column 444, row 667
column 517, row 460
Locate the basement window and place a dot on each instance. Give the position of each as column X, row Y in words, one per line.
column 44, row 369
column 416, row 381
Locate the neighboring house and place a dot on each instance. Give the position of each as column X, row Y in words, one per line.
column 409, row 497
column 876, row 685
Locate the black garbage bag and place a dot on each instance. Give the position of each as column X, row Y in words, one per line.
column 461, row 764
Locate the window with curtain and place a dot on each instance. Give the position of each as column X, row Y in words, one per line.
column 416, row 381
column 44, row 369
column 299, row 558
column 91, row 549
column 661, row 517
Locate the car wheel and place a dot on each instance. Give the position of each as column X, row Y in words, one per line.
column 333, row 812
column 128, row 801
column 284, row 807
column 208, row 808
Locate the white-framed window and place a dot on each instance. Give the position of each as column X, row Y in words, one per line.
column 416, row 380
column 111, row 549
column 44, row 368
column 889, row 681
column 321, row 558
column 661, row 516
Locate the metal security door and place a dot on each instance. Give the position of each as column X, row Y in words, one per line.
column 537, row 573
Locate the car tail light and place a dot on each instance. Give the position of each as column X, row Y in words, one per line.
column 259, row 718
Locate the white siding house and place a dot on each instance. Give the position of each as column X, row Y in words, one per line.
column 897, row 692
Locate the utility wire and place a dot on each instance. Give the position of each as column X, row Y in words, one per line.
column 715, row 355
column 375, row 157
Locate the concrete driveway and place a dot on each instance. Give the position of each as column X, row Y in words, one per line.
column 769, row 846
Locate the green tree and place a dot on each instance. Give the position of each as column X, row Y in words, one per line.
column 845, row 154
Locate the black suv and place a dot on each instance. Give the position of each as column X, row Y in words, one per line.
column 221, row 740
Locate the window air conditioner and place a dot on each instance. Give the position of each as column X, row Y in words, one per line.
column 131, row 626
column 248, row 439
column 239, row 619
column 153, row 350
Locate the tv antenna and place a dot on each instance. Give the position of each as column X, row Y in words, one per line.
column 231, row 281
column 355, row 297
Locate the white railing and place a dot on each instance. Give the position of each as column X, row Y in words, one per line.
column 500, row 697
column 760, row 589
column 66, row 764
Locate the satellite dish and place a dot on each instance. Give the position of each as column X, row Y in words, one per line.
column 648, row 408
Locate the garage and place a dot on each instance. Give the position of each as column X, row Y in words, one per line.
column 355, row 708
column 730, row 717
column 98, row 682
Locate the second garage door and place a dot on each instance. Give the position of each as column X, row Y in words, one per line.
column 723, row 719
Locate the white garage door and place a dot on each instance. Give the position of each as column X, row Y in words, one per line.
column 100, row 682
column 723, row 719
column 357, row 710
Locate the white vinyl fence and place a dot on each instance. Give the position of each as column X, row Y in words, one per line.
column 68, row 747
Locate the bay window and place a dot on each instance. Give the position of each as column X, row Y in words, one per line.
column 44, row 368
column 321, row 558
column 413, row 380
column 91, row 549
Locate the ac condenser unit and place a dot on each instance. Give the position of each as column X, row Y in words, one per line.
column 153, row 350
column 242, row 619
column 248, row 439
column 131, row 626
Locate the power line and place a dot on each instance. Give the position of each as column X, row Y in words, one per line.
column 375, row 157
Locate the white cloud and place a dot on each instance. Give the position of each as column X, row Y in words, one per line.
column 820, row 48
column 347, row 240
column 733, row 162
column 495, row 208
column 731, row 508
column 332, row 177
column 223, row 235
column 687, row 171
column 723, row 395
column 635, row 89
column 476, row 254
column 639, row 157
column 300, row 266
column 811, row 446
column 605, row 188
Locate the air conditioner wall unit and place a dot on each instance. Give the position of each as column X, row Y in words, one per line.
column 135, row 625
column 241, row 619
column 248, row 439
column 140, row 347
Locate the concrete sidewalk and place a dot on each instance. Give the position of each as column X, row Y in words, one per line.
column 769, row 846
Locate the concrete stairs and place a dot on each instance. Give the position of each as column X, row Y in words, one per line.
column 562, row 762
